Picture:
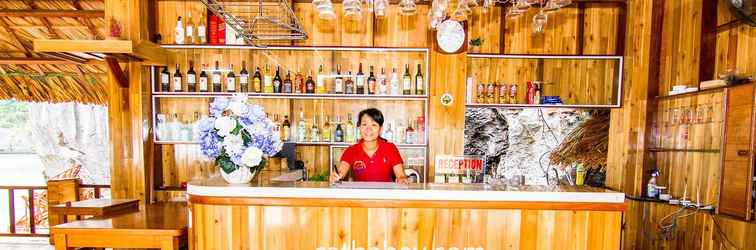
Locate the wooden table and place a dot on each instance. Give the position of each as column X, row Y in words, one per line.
column 160, row 225
column 98, row 208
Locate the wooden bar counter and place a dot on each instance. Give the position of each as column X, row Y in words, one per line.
column 316, row 215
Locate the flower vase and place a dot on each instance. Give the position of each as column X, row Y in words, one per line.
column 241, row 175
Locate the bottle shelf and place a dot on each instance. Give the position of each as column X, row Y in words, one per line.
column 400, row 145
column 684, row 150
column 576, row 106
column 301, row 48
column 291, row 96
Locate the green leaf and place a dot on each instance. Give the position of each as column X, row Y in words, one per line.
column 236, row 129
column 226, row 165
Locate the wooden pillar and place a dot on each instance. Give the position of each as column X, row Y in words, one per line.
column 447, row 123
column 128, row 107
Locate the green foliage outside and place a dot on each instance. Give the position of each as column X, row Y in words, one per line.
column 14, row 126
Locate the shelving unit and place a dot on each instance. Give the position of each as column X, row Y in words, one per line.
column 396, row 108
column 581, row 81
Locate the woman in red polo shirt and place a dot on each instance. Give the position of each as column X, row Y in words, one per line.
column 372, row 158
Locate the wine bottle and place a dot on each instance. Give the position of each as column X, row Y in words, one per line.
column 406, row 81
column 314, row 131
column 349, row 84
column 244, row 78
column 189, row 29
column 371, row 82
column 165, row 80
column 217, row 78
column 338, row 134
column 310, row 84
column 349, row 129
column 277, row 81
column 285, row 129
column 202, row 30
column 320, row 81
column 419, row 81
column 302, row 126
column 338, row 83
column 287, row 82
column 257, row 81
column 326, row 131
column 267, row 80
column 383, row 85
column 177, row 79
column 191, row 78
column 231, row 79
column 203, row 80
column 179, row 31
column 360, row 81
column 394, row 82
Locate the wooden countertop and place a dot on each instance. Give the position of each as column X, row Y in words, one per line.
column 427, row 195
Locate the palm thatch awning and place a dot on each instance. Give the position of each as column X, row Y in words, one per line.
column 29, row 76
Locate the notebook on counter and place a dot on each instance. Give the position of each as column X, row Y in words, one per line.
column 369, row 185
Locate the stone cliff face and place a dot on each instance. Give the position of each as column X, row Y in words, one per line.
column 519, row 141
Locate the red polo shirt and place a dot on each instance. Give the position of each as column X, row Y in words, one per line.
column 379, row 167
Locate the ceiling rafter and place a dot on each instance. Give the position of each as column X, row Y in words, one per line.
column 87, row 22
column 52, row 13
column 13, row 35
column 53, row 33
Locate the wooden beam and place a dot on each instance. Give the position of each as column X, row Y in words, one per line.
column 13, row 35
column 29, row 61
column 117, row 72
column 580, row 37
column 95, row 46
column 48, row 25
column 708, row 47
column 654, row 65
column 90, row 26
column 152, row 53
column 52, row 13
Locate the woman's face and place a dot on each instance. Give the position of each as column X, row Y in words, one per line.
column 369, row 129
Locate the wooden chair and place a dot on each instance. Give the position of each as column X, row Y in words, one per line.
column 59, row 192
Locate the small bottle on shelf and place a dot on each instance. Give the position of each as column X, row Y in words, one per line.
column 326, row 133
column 174, row 127
column 338, row 133
column 301, row 128
column 277, row 126
column 481, row 92
column 410, row 133
column 388, row 134
column 371, row 82
column 244, row 78
column 320, row 87
column 287, row 83
column 360, row 82
column 179, row 31
column 203, row 79
column 538, row 90
column 310, row 84
column 267, row 80
column 394, row 82
column 349, row 84
column 513, row 93
column 419, row 81
column 165, row 80
column 217, row 78
column 257, row 81
column 191, row 78
column 314, row 131
column 503, row 91
column 231, row 79
column 338, row 83
column 299, row 83
column 285, row 129
column 277, row 82
column 490, row 92
column 406, row 81
column 202, row 30
column 383, row 86
column 349, row 129
column 177, row 80
column 189, row 29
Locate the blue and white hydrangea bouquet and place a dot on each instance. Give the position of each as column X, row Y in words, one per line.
column 238, row 136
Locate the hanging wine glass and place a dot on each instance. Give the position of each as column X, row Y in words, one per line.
column 462, row 11
column 539, row 22
column 370, row 5
column 436, row 14
column 352, row 9
column 487, row 4
column 562, row 3
column 380, row 7
column 551, row 6
column 407, row 7
column 325, row 10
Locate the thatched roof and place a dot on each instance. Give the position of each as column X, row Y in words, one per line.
column 29, row 76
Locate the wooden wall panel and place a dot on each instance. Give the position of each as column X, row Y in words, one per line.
column 560, row 36
column 486, row 26
column 258, row 227
column 600, row 28
column 681, row 37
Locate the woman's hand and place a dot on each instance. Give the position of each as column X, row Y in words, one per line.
column 402, row 180
column 335, row 177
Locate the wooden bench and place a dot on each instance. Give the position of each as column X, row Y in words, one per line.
column 160, row 225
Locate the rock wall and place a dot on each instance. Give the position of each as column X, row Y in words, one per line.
column 519, row 141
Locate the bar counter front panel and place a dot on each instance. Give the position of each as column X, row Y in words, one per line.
column 315, row 215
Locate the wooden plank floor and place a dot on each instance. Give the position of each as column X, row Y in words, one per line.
column 25, row 243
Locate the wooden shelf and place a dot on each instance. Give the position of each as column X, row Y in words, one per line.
column 575, row 106
column 302, row 48
column 698, row 92
column 543, row 56
column 400, row 145
column 684, row 150
column 292, row 96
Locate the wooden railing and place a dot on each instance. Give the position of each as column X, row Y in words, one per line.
column 36, row 205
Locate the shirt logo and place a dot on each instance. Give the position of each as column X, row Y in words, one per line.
column 359, row 166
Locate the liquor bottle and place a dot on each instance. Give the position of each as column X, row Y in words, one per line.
column 419, row 82
column 314, row 131
column 191, row 78
column 267, row 80
column 195, row 127
column 513, row 93
column 349, row 84
column 394, row 82
column 277, row 126
column 277, row 82
column 177, row 83
column 287, row 82
column 244, row 78
column 310, row 84
column 349, row 129
column 301, row 128
column 338, row 83
column 338, row 133
column 179, row 35
column 420, row 130
column 213, row 28
column 406, row 81
column 231, row 79
column 503, row 91
column 530, row 93
column 490, row 93
column 410, row 134
column 371, row 82
column 360, row 82
column 202, row 30
column 257, row 81
column 538, row 92
column 326, row 132
column 299, row 85
column 203, row 80
column 165, row 80
column 285, row 129
column 320, row 87
column 401, row 132
column 174, row 127
column 189, row 29
column 388, row 134
column 382, row 83
column 481, row 91
column 217, row 78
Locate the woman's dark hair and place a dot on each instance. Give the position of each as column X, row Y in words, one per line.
column 373, row 113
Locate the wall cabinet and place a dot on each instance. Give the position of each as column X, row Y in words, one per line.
column 736, row 193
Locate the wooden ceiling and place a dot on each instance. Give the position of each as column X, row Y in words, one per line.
column 47, row 77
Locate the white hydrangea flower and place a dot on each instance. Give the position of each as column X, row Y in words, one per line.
column 238, row 108
column 233, row 144
column 252, row 157
column 225, row 125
